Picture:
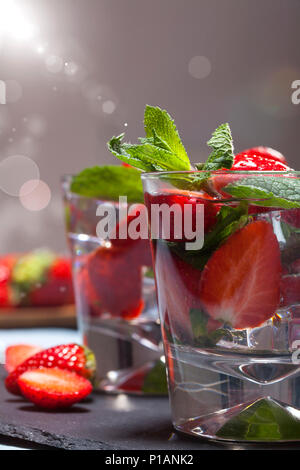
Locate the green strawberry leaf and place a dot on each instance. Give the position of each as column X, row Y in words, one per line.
column 109, row 182
column 155, row 382
column 267, row 191
column 264, row 420
column 31, row 270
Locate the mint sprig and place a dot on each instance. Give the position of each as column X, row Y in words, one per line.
column 109, row 182
column 267, row 191
column 160, row 150
column 222, row 144
column 160, row 126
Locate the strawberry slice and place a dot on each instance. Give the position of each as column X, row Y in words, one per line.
column 73, row 357
column 265, row 152
column 240, row 284
column 18, row 353
column 177, row 287
column 53, row 388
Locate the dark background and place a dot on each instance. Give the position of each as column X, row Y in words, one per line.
column 91, row 67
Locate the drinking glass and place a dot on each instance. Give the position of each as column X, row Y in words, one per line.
column 229, row 307
column 115, row 298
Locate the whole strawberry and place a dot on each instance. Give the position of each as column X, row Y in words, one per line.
column 72, row 357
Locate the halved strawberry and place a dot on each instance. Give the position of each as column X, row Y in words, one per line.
column 265, row 152
column 18, row 353
column 71, row 357
column 53, row 388
column 240, row 284
column 177, row 287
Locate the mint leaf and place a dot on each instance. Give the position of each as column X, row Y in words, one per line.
column 160, row 150
column 199, row 321
column 109, row 182
column 147, row 155
column 159, row 125
column 203, row 338
column 155, row 382
column 222, row 145
column 263, row 420
column 267, row 191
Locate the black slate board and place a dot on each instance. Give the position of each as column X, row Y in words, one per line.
column 103, row 422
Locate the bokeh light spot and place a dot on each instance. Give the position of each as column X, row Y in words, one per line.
column 199, row 67
column 35, row 195
column 54, row 63
column 15, row 171
column 108, row 107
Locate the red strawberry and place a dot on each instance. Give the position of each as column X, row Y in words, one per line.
column 265, row 152
column 18, row 353
column 177, row 286
column 183, row 198
column 241, row 281
column 116, row 277
column 114, row 274
column 6, row 294
column 72, row 357
column 290, row 290
column 136, row 212
column 5, row 297
column 61, row 269
column 53, row 388
column 243, row 162
column 58, row 288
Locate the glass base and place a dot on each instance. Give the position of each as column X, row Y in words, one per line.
column 263, row 421
column 129, row 356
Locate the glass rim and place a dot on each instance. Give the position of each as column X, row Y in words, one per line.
column 157, row 174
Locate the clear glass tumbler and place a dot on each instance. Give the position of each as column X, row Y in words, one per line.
column 115, row 299
column 230, row 308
